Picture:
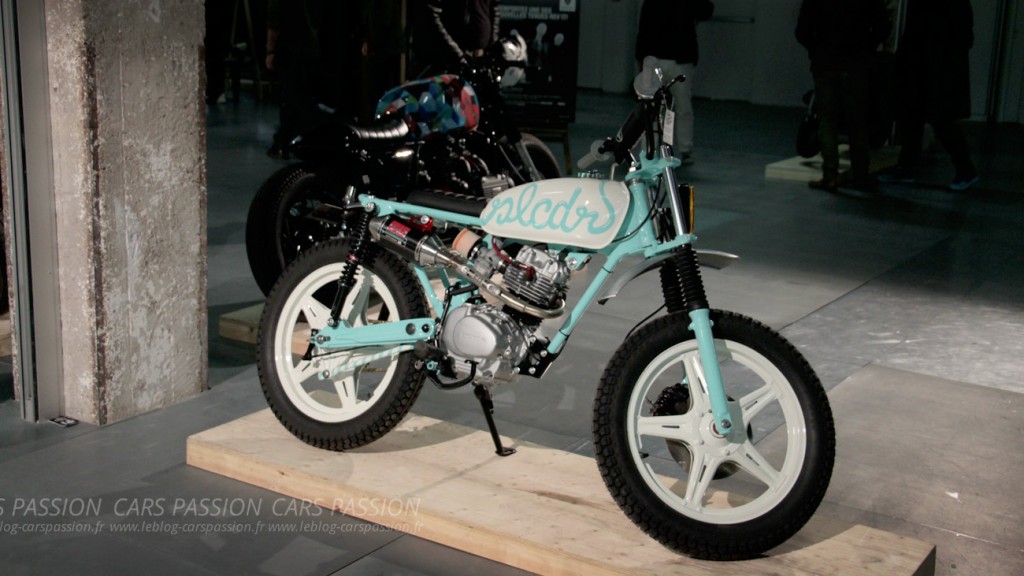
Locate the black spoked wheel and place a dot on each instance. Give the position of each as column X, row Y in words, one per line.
column 369, row 388
column 698, row 492
column 291, row 212
column 543, row 158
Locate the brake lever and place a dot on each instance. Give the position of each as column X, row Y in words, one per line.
column 600, row 151
column 680, row 78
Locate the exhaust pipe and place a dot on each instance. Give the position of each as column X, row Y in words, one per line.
column 428, row 250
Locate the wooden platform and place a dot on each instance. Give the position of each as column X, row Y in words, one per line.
column 806, row 169
column 540, row 510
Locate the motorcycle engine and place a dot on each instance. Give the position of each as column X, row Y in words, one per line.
column 449, row 164
column 484, row 335
column 491, row 335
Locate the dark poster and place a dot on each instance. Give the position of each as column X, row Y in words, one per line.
column 546, row 94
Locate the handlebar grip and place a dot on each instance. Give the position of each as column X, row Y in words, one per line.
column 648, row 81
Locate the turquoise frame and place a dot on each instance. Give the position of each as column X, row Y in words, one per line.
column 643, row 241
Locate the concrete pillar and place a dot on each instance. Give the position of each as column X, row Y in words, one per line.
column 128, row 133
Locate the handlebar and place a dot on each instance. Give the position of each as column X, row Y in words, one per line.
column 618, row 148
column 652, row 91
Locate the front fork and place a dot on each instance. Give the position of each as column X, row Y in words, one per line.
column 684, row 291
column 700, row 324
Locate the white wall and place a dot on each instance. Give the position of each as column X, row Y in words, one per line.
column 607, row 44
column 749, row 53
column 725, row 70
column 983, row 55
column 747, row 50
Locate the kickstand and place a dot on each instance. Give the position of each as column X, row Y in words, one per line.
column 484, row 396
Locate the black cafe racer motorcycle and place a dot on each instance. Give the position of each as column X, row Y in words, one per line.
column 449, row 133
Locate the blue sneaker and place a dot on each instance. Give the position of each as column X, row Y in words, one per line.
column 897, row 174
column 962, row 182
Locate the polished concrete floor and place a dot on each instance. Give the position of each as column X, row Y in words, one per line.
column 908, row 302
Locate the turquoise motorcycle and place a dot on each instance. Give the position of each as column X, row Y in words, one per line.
column 711, row 431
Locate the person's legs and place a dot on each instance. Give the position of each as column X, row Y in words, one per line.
column 217, row 42
column 854, row 87
column 298, row 105
column 828, row 105
column 910, row 133
column 682, row 98
column 952, row 137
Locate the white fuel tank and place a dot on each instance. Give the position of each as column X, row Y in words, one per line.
column 583, row 212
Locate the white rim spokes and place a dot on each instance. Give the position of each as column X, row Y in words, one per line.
column 754, row 402
column 316, row 313
column 681, row 427
column 699, row 394
column 358, row 302
column 753, row 462
column 679, row 452
column 701, row 472
column 345, row 388
column 358, row 376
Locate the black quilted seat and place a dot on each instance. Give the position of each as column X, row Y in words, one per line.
column 391, row 132
column 448, row 201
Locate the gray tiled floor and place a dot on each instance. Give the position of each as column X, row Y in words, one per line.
column 911, row 289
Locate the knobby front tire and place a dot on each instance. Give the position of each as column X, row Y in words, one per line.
column 659, row 453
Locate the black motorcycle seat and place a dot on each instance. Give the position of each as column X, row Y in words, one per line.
column 447, row 201
column 393, row 131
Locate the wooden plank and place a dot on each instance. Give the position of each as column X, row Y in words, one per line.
column 541, row 510
column 797, row 168
column 241, row 325
column 244, row 326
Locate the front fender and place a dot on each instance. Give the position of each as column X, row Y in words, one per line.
column 706, row 258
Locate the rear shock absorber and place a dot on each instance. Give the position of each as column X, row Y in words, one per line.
column 361, row 253
column 681, row 284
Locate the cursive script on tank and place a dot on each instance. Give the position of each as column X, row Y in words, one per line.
column 564, row 212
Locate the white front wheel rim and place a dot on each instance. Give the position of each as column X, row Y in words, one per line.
column 756, row 476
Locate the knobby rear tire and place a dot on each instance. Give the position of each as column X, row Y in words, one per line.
column 363, row 403
column 543, row 158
